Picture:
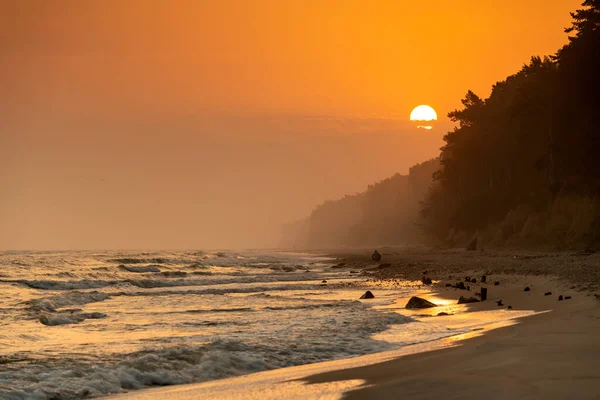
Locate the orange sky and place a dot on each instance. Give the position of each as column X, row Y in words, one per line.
column 193, row 117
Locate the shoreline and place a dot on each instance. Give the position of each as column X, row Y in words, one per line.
column 487, row 362
column 550, row 355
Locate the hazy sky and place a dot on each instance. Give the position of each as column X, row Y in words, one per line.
column 199, row 124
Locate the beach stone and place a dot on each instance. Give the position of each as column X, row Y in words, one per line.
column 560, row 298
column 417, row 302
column 496, row 283
column 448, row 285
column 548, row 294
column 442, row 314
column 323, row 281
column 426, row 281
column 461, row 286
column 527, row 289
column 500, row 303
column 467, row 300
column 483, row 278
column 386, row 265
column 473, row 245
column 509, row 307
column 367, row 295
column 376, row 256
column 567, row 297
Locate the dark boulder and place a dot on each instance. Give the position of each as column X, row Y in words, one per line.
column 417, row 302
column 560, row 298
column 496, row 283
column 442, row 314
column 467, row 300
column 376, row 256
column 500, row 303
column 527, row 289
column 548, row 294
column 509, row 307
column 367, row 295
column 426, row 281
column 567, row 297
column 473, row 245
column 448, row 285
column 483, row 278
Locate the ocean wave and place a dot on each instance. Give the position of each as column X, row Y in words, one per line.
column 218, row 280
column 53, row 303
column 62, row 285
column 67, row 318
column 178, row 274
column 220, row 310
column 196, row 266
column 217, row 291
column 175, row 279
column 132, row 260
column 312, row 306
column 75, row 379
column 201, row 273
column 140, row 269
column 265, row 327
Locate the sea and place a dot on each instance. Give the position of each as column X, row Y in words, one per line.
column 76, row 325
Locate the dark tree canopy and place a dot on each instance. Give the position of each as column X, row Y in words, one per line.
column 515, row 156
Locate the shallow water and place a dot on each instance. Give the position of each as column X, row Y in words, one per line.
column 86, row 324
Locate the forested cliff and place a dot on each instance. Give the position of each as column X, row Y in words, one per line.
column 520, row 168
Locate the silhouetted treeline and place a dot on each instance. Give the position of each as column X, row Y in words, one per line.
column 523, row 166
column 385, row 214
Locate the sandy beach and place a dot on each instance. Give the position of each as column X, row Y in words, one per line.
column 550, row 355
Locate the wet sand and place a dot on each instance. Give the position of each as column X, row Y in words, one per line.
column 552, row 355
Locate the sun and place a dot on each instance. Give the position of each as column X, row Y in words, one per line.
column 424, row 115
